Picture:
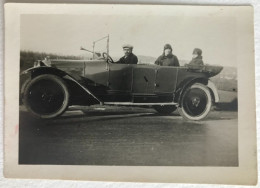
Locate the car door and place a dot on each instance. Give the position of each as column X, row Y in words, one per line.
column 166, row 79
column 97, row 71
column 143, row 79
column 120, row 78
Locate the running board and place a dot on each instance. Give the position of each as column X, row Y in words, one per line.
column 140, row 104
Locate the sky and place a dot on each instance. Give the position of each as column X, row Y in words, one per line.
column 64, row 34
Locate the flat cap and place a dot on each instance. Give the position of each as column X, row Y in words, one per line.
column 127, row 46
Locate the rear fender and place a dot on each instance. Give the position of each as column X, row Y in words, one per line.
column 36, row 71
column 213, row 91
column 204, row 81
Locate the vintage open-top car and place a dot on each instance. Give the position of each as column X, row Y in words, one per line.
column 48, row 88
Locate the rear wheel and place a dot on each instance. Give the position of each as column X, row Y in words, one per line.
column 46, row 96
column 165, row 109
column 196, row 102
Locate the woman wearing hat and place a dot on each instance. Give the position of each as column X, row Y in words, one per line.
column 167, row 58
column 196, row 57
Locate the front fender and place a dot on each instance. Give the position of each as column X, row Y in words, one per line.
column 33, row 72
column 36, row 71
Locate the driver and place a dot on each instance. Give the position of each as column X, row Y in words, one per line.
column 129, row 57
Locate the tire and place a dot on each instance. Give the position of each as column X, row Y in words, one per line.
column 167, row 109
column 196, row 102
column 22, row 91
column 46, row 96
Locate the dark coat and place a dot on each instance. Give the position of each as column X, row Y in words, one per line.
column 170, row 60
column 196, row 61
column 130, row 59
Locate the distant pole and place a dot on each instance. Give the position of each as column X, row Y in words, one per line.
column 93, row 50
column 108, row 44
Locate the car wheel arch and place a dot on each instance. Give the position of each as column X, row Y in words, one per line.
column 204, row 81
column 38, row 71
column 69, row 79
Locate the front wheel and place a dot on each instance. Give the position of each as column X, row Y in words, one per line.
column 46, row 96
column 196, row 102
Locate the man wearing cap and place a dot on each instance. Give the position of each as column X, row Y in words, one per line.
column 129, row 57
column 196, row 57
column 167, row 58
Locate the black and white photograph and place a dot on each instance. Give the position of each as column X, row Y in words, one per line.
column 133, row 86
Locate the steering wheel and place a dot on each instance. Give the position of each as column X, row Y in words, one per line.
column 107, row 57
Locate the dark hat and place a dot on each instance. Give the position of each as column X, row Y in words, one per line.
column 167, row 46
column 128, row 46
column 197, row 51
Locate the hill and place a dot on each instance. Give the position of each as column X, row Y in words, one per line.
column 27, row 58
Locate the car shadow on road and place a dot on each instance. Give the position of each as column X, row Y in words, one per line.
column 97, row 116
column 77, row 117
column 104, row 113
column 230, row 106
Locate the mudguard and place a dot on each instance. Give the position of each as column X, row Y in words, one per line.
column 205, row 81
column 214, row 90
column 36, row 71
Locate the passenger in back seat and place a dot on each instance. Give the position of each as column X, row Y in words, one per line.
column 196, row 57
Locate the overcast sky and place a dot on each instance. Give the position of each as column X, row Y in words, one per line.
column 64, row 34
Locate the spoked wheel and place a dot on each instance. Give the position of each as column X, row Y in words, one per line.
column 46, row 96
column 165, row 109
column 196, row 102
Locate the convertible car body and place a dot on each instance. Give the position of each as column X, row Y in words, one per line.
column 51, row 86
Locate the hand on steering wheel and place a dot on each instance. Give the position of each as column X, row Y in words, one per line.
column 107, row 57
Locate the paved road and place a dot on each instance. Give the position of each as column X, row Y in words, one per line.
column 128, row 136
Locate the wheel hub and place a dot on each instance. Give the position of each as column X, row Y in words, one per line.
column 47, row 97
column 195, row 101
